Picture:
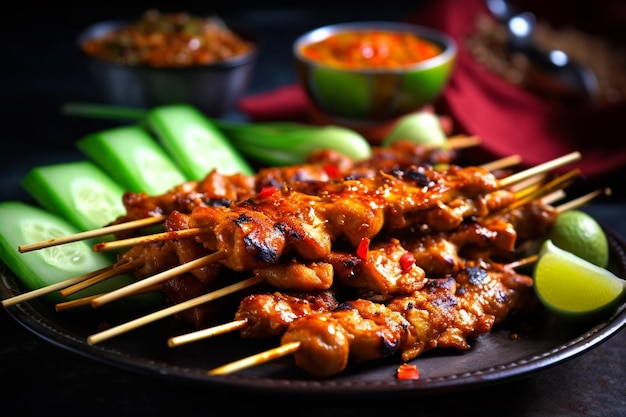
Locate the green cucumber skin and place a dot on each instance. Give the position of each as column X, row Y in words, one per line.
column 34, row 268
column 194, row 142
column 52, row 187
column 133, row 158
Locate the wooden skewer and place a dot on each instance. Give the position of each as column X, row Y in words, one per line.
column 206, row 333
column 528, row 185
column 133, row 324
column 462, row 141
column 521, row 262
column 66, row 305
column 549, row 187
column 156, row 237
column 134, row 224
column 117, row 269
column 544, row 190
column 554, row 196
column 256, row 359
column 582, row 200
column 51, row 288
column 160, row 277
column 538, row 169
column 502, row 163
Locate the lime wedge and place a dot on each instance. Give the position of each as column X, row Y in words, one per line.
column 573, row 287
column 579, row 233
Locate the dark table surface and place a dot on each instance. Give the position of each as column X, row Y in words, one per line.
column 41, row 70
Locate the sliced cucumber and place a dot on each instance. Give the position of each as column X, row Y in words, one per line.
column 80, row 192
column 133, row 158
column 194, row 142
column 23, row 223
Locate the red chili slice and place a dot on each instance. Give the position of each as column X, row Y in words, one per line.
column 408, row 372
column 267, row 191
column 407, row 260
column 364, row 247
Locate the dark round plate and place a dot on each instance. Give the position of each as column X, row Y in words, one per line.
column 518, row 348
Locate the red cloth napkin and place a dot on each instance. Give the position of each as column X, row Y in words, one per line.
column 508, row 119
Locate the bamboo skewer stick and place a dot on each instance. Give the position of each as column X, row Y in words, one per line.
column 502, row 163
column 257, row 359
column 582, row 200
column 206, row 333
column 160, row 277
column 66, row 305
column 117, row 269
column 462, row 141
column 556, row 184
column 538, row 169
column 51, row 288
column 553, row 196
column 521, row 262
column 540, row 192
column 133, row 324
column 135, row 224
column 528, row 185
column 156, row 237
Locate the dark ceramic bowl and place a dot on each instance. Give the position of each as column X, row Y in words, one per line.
column 374, row 95
column 212, row 88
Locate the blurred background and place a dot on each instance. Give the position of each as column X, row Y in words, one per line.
column 43, row 67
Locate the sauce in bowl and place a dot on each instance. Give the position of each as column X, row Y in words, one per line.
column 373, row 49
column 168, row 40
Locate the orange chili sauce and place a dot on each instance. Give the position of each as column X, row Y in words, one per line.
column 375, row 49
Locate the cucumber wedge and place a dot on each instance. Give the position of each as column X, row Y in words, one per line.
column 23, row 223
column 194, row 142
column 80, row 192
column 133, row 158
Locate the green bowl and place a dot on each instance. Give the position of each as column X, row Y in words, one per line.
column 374, row 95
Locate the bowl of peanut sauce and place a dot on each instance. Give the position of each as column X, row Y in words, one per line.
column 169, row 58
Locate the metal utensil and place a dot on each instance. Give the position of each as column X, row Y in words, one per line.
column 520, row 27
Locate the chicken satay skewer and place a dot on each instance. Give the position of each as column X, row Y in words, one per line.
column 130, row 288
column 364, row 330
column 535, row 170
column 265, row 315
column 191, row 232
column 129, row 327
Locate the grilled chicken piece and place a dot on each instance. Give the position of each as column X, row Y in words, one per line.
column 269, row 315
